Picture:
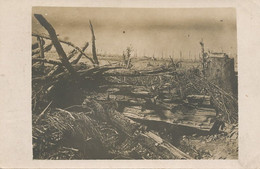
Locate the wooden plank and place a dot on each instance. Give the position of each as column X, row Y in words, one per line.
column 174, row 121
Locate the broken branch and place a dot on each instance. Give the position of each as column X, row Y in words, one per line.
column 80, row 55
column 42, row 113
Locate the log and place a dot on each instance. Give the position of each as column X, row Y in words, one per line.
column 97, row 70
column 135, row 73
column 50, row 78
column 151, row 141
column 123, row 123
column 56, row 43
column 136, row 132
column 47, row 61
column 146, row 120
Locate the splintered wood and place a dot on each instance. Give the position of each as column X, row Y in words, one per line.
column 115, row 111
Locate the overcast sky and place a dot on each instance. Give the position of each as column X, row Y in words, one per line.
column 149, row 31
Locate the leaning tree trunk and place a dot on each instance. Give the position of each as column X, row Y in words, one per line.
column 56, row 43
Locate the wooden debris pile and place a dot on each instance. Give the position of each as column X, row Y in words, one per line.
column 93, row 111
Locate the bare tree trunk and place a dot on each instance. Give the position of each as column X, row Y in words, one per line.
column 204, row 55
column 93, row 44
column 149, row 140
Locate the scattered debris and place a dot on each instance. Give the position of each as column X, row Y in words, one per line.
column 94, row 111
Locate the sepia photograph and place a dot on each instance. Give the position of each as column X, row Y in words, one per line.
column 134, row 83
